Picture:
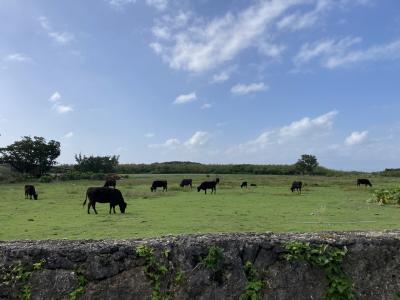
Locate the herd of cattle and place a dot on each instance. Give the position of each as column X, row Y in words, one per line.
column 113, row 196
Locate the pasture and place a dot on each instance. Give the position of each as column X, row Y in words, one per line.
column 327, row 203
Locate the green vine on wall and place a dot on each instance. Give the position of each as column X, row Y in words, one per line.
column 80, row 289
column 254, row 283
column 18, row 274
column 213, row 259
column 156, row 271
column 330, row 260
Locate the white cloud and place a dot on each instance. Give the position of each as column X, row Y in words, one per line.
column 55, row 97
column 374, row 53
column 150, row 135
column 157, row 48
column 206, row 45
column 223, row 75
column 338, row 53
column 307, row 125
column 62, row 109
column 18, row 57
column 243, row 89
column 200, row 138
column 197, row 140
column 158, row 4
column 206, row 106
column 120, row 3
column 69, row 135
column 182, row 99
column 171, row 143
column 61, row 38
column 271, row 50
column 302, row 20
column 324, row 48
column 300, row 133
column 161, row 32
column 356, row 137
column 298, row 21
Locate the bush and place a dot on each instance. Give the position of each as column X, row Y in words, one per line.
column 46, row 179
column 387, row 196
column 75, row 175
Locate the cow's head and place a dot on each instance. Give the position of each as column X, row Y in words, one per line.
column 122, row 207
column 35, row 196
column 198, row 189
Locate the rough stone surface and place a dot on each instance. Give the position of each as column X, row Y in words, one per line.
column 114, row 270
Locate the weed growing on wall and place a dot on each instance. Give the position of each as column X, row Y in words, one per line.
column 254, row 283
column 330, row 260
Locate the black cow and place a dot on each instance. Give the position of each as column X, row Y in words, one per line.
column 296, row 185
column 186, row 182
column 30, row 192
column 363, row 181
column 205, row 185
column 111, row 182
column 217, row 180
column 253, row 184
column 243, row 185
column 105, row 195
column 159, row 183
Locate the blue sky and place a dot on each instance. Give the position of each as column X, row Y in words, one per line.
column 233, row 81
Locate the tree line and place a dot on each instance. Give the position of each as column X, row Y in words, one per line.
column 37, row 157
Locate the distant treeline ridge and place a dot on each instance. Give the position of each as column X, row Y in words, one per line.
column 176, row 167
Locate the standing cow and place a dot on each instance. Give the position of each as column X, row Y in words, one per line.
column 205, row 185
column 111, row 182
column 243, row 185
column 159, row 183
column 105, row 195
column 30, row 192
column 186, row 182
column 363, row 181
column 296, row 185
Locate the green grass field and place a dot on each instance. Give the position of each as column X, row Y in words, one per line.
column 326, row 204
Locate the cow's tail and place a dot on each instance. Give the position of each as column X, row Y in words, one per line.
column 84, row 202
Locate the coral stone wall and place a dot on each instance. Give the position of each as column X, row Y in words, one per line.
column 210, row 266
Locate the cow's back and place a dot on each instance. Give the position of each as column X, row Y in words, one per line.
column 104, row 195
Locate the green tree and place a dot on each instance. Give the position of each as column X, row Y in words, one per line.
column 307, row 164
column 96, row 164
column 33, row 156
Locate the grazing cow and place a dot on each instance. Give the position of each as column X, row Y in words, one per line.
column 30, row 192
column 363, row 181
column 186, row 182
column 105, row 195
column 111, row 182
column 253, row 184
column 159, row 183
column 296, row 185
column 217, row 180
column 205, row 185
column 243, row 185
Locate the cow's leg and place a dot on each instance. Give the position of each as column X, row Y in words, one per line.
column 94, row 207
column 114, row 209
column 110, row 209
column 88, row 207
